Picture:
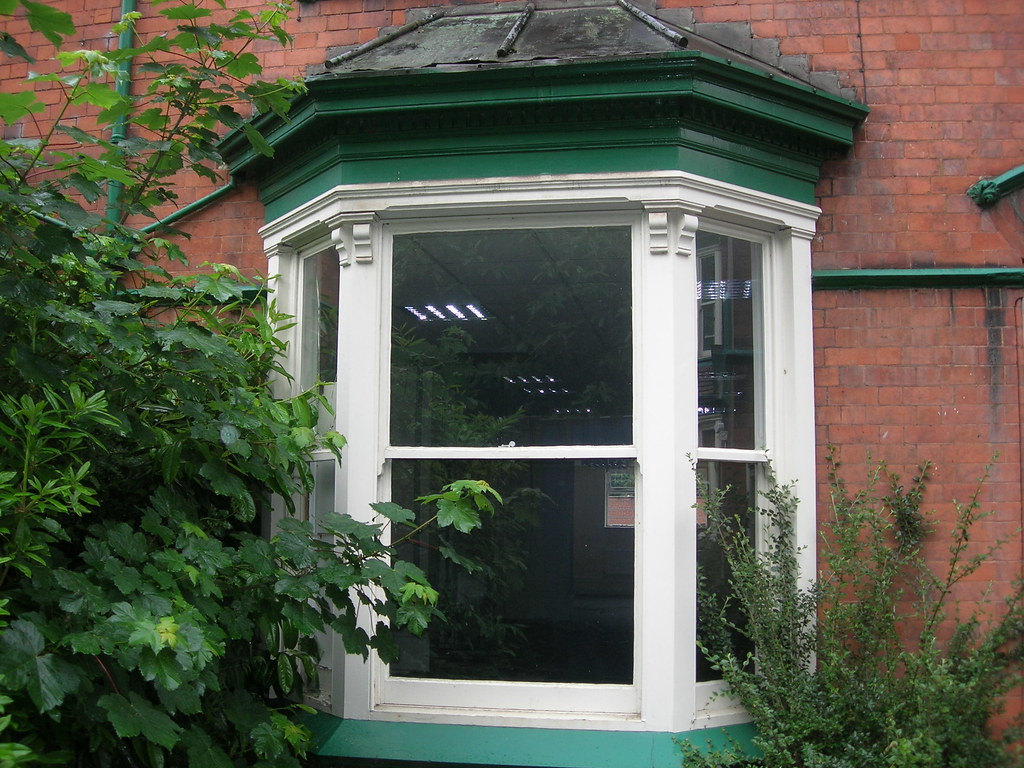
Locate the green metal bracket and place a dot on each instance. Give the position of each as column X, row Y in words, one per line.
column 988, row 192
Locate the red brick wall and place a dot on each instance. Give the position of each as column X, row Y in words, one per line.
column 945, row 83
column 907, row 376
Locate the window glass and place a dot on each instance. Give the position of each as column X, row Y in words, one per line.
column 512, row 336
column 729, row 347
column 738, row 482
column 321, row 499
column 550, row 598
column 320, row 318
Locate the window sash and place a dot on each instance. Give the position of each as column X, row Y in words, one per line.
column 398, row 693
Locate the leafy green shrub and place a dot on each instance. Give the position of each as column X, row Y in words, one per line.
column 875, row 664
column 144, row 619
column 147, row 609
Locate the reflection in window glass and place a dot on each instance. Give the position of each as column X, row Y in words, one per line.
column 620, row 498
column 320, row 318
column 512, row 336
column 738, row 481
column 729, row 344
column 319, row 326
column 321, row 499
column 552, row 597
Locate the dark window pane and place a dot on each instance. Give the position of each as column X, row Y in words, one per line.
column 552, row 600
column 713, row 573
column 728, row 295
column 516, row 335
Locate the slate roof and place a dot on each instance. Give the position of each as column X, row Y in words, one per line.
column 545, row 32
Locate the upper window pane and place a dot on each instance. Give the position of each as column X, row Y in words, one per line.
column 729, row 341
column 507, row 336
column 320, row 319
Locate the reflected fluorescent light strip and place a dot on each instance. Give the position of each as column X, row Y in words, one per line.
column 544, row 381
column 718, row 290
column 448, row 313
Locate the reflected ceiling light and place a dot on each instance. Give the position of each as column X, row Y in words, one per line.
column 449, row 312
column 719, row 290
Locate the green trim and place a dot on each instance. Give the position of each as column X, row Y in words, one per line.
column 400, row 97
column 505, row 746
column 685, row 110
column 988, row 192
column 968, row 277
column 649, row 149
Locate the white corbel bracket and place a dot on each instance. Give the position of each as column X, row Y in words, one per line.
column 352, row 235
column 281, row 264
column 801, row 233
column 279, row 250
column 671, row 229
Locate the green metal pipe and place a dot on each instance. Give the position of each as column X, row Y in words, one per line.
column 958, row 277
column 191, row 207
column 119, row 132
column 123, row 85
column 988, row 192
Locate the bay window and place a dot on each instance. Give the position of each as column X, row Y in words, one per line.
column 585, row 344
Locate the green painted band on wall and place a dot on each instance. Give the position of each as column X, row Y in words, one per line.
column 620, row 152
column 866, row 279
column 505, row 746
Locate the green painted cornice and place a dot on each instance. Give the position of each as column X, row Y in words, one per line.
column 685, row 99
column 988, row 192
column 864, row 279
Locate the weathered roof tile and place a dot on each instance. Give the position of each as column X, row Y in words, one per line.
column 556, row 31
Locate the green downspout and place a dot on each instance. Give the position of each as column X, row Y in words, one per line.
column 119, row 132
column 988, row 192
column 123, row 86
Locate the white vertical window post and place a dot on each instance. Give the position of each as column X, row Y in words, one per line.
column 358, row 403
column 667, row 427
column 789, row 363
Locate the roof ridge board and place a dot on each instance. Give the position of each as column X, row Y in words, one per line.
column 514, row 6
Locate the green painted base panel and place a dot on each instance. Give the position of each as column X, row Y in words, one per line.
column 495, row 745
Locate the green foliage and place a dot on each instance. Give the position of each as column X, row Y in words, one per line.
column 877, row 663
column 140, row 445
column 195, row 79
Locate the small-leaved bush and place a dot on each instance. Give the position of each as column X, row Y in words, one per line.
column 877, row 663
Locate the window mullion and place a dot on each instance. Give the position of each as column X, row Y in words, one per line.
column 667, row 425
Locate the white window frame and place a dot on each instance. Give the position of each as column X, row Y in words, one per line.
column 666, row 209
